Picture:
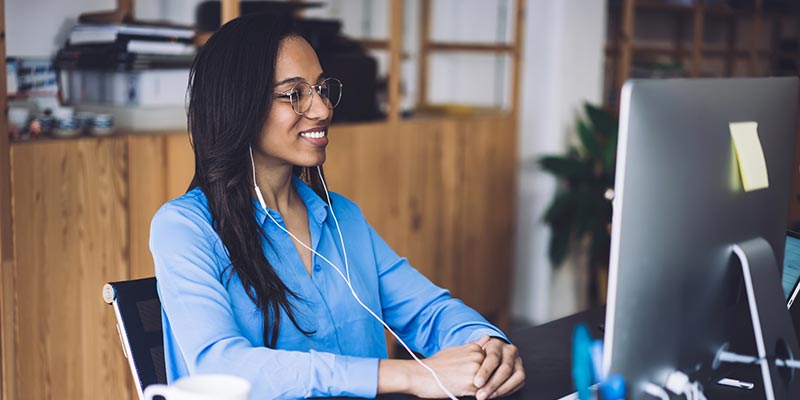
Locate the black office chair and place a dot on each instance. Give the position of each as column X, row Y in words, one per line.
column 138, row 312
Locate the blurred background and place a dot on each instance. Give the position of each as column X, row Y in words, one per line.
column 477, row 135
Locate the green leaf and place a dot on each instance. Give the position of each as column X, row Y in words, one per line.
column 610, row 156
column 560, row 217
column 583, row 210
column 559, row 244
column 589, row 140
column 601, row 245
column 561, row 167
column 602, row 121
column 560, row 210
column 580, row 208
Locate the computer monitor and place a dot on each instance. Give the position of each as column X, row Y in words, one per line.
column 679, row 211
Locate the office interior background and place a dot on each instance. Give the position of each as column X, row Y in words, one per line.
column 570, row 52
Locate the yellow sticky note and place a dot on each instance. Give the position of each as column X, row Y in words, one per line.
column 752, row 166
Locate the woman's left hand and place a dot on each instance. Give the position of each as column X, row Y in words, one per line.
column 501, row 373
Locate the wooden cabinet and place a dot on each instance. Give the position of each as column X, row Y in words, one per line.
column 440, row 191
column 70, row 219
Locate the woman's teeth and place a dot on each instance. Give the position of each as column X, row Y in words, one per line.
column 313, row 135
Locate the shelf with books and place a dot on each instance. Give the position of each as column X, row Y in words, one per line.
column 720, row 38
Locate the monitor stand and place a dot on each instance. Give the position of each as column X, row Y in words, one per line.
column 776, row 341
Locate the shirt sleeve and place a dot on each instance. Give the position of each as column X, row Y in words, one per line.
column 203, row 323
column 424, row 315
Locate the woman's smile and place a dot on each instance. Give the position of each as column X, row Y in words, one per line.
column 317, row 137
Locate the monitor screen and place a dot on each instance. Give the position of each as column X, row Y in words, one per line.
column 791, row 263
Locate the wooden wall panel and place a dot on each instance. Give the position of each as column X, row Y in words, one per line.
column 363, row 164
column 71, row 236
column 147, row 182
column 431, row 159
column 179, row 166
column 441, row 193
column 7, row 333
column 160, row 168
column 9, row 349
column 487, row 216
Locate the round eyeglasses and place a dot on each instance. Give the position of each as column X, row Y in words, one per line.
column 301, row 95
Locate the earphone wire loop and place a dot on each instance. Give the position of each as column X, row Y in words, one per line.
column 347, row 268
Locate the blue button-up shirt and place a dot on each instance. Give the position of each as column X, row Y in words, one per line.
column 212, row 326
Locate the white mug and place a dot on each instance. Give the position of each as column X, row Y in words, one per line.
column 202, row 387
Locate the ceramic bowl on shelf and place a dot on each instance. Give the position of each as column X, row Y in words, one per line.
column 66, row 127
column 83, row 122
column 102, row 125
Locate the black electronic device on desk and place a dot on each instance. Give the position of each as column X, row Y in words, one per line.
column 340, row 57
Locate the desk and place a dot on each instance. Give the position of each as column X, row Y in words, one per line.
column 546, row 351
column 547, row 354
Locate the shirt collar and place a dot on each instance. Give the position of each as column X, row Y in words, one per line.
column 316, row 206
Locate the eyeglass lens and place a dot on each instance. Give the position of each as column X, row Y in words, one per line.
column 329, row 92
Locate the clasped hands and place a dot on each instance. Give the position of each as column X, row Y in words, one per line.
column 486, row 368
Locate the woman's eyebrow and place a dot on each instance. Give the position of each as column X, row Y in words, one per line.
column 296, row 79
column 289, row 80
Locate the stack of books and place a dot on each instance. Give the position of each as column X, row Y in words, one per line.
column 137, row 73
column 30, row 77
column 125, row 47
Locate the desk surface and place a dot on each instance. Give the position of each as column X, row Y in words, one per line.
column 546, row 351
column 547, row 354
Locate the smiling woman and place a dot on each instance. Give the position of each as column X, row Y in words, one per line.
column 254, row 273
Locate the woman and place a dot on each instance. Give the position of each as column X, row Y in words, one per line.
column 255, row 267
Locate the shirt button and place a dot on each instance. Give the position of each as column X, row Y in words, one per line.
column 317, row 268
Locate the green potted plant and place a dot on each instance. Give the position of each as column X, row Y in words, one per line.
column 581, row 208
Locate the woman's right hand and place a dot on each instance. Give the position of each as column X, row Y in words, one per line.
column 456, row 367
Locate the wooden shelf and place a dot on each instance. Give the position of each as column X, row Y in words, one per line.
column 656, row 5
column 712, row 51
column 474, row 114
column 693, row 52
column 723, row 10
column 471, row 47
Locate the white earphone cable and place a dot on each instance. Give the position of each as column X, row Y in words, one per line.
column 347, row 268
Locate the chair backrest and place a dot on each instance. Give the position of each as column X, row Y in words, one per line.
column 138, row 312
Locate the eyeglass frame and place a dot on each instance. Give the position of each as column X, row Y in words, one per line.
column 311, row 92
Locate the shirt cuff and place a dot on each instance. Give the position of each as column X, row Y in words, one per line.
column 359, row 376
column 481, row 332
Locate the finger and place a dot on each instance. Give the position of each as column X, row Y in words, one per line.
column 514, row 383
column 509, row 393
column 483, row 340
column 499, row 377
column 489, row 365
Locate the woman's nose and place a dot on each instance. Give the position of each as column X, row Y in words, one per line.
column 319, row 109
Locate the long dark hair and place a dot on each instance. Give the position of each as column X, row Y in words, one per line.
column 230, row 93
